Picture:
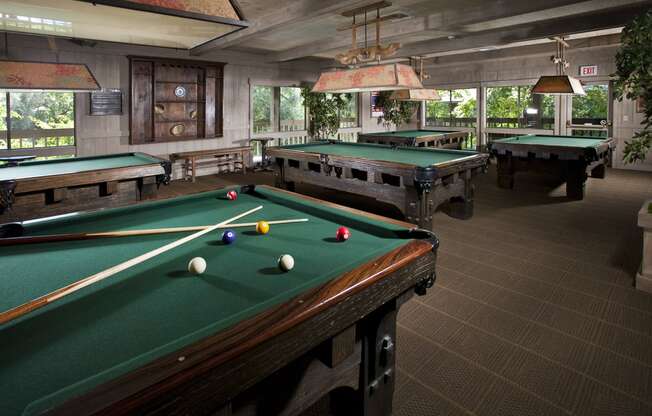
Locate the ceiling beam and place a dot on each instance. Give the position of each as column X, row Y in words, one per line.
column 544, row 29
column 528, row 51
column 301, row 11
column 491, row 15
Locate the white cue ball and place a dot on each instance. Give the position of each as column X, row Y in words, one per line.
column 286, row 262
column 197, row 265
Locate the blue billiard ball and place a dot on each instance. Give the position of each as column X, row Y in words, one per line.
column 228, row 236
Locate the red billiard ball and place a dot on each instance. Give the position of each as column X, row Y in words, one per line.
column 342, row 234
column 228, row 236
column 232, row 195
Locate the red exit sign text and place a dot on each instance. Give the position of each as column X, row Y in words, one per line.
column 588, row 70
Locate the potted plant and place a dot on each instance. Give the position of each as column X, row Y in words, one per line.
column 634, row 81
column 395, row 112
column 324, row 112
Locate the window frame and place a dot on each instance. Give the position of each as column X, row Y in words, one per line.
column 47, row 151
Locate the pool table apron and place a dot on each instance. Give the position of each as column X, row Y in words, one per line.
column 416, row 191
column 440, row 139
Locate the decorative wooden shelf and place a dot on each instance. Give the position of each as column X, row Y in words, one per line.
column 156, row 77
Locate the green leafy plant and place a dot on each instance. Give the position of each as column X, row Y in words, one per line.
column 395, row 112
column 324, row 112
column 634, row 80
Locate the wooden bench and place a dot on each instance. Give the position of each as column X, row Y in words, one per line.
column 237, row 158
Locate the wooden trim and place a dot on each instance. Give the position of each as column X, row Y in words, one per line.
column 197, row 62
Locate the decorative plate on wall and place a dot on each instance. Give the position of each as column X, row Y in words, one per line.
column 180, row 91
column 177, row 129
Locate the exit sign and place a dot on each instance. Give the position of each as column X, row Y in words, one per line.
column 588, row 70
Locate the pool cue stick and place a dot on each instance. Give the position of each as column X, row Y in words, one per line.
column 10, row 241
column 44, row 300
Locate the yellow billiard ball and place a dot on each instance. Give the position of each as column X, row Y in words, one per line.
column 262, row 227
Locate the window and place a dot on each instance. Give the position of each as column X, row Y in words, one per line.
column 592, row 110
column 293, row 113
column 281, row 109
column 37, row 120
column 277, row 109
column 263, row 104
column 349, row 116
column 457, row 108
column 515, row 107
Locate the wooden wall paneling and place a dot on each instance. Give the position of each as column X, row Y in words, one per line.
column 141, row 102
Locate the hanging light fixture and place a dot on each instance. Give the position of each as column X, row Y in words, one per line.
column 21, row 75
column 416, row 94
column 378, row 77
column 560, row 84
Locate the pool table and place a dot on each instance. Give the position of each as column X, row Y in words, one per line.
column 569, row 158
column 48, row 187
column 419, row 138
column 417, row 180
column 155, row 339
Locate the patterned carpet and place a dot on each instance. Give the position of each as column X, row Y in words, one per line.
column 534, row 310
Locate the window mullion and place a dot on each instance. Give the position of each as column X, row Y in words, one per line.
column 8, row 120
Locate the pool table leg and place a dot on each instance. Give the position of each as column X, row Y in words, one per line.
column 378, row 360
column 599, row 171
column 461, row 208
column 576, row 180
column 505, row 172
column 279, row 175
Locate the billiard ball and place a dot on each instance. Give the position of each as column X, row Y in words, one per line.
column 232, row 195
column 342, row 234
column 197, row 265
column 286, row 262
column 262, row 227
column 228, row 236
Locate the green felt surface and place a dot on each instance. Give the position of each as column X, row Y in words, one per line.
column 418, row 156
column 157, row 307
column 566, row 141
column 411, row 133
column 41, row 168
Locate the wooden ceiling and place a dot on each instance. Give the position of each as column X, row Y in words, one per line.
column 285, row 30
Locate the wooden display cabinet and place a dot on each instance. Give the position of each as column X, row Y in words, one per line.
column 175, row 100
